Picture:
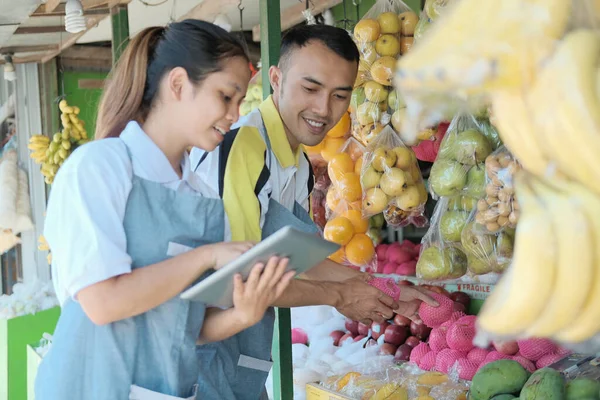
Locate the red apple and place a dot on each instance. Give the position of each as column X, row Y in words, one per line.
column 347, row 337
column 413, row 341
column 336, row 336
column 459, row 307
column 408, row 243
column 408, row 268
column 403, row 353
column 363, row 329
column 439, row 289
column 381, row 250
column 405, row 283
column 421, row 331
column 388, row 349
column 377, row 329
column 359, row 338
column 370, row 343
column 399, row 255
column 401, row 320
column 509, row 347
column 389, row 268
column 395, row 334
column 352, row 326
column 462, row 298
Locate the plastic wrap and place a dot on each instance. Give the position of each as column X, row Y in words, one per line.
column 459, row 167
column 334, row 141
column 499, row 208
column 392, row 182
column 382, row 35
column 441, row 254
column 254, row 95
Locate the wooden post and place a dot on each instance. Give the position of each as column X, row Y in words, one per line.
column 120, row 30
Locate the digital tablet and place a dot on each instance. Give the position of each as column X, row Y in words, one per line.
column 304, row 251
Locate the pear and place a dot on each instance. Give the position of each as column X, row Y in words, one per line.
column 393, row 182
column 448, row 147
column 375, row 201
column 447, row 177
column 395, row 101
column 462, row 203
column 358, row 97
column 452, row 224
column 478, row 266
column 491, row 134
column 435, row 263
column 471, row 147
column 375, row 92
column 458, row 265
column 504, row 246
column 370, row 178
column 476, row 182
column 409, row 199
column 383, row 159
column 403, row 157
column 477, row 244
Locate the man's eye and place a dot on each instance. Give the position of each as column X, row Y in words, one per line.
column 309, row 90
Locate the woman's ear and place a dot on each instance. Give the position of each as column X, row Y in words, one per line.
column 177, row 80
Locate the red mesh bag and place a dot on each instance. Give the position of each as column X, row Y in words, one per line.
column 436, row 316
column 387, row 286
column 437, row 339
column 495, row 356
column 460, row 336
column 419, row 352
column 477, row 355
column 428, row 361
column 466, row 369
column 534, row 349
column 446, row 359
column 548, row 360
column 527, row 364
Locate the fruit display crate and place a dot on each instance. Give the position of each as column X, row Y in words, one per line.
column 15, row 335
column 316, row 392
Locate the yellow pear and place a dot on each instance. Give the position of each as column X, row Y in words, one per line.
column 389, row 23
column 375, row 92
column 370, row 178
column 383, row 159
column 409, row 199
column 388, row 45
column 375, row 201
column 393, row 182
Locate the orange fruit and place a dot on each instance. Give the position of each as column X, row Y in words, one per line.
column 315, row 150
column 349, row 187
column 332, row 198
column 360, row 250
column 361, row 225
column 355, row 150
column 339, row 256
column 331, row 147
column 339, row 230
column 358, row 166
column 342, row 128
column 339, row 165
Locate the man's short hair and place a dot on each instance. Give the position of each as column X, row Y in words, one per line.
column 336, row 39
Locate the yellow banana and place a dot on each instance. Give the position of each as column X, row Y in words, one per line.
column 587, row 321
column 574, row 259
column 76, row 110
column 73, row 118
column 37, row 146
column 524, row 290
column 39, row 139
column 66, row 144
column 565, row 106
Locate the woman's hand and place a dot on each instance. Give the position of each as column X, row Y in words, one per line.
column 223, row 253
column 410, row 300
column 264, row 285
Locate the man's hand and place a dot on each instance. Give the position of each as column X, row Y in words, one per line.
column 410, row 301
column 362, row 302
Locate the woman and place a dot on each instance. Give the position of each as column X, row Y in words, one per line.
column 130, row 226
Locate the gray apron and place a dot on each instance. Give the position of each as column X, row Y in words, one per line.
column 245, row 359
column 149, row 356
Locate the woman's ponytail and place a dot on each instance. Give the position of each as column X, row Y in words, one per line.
column 123, row 96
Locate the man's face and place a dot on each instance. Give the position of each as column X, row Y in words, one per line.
column 312, row 92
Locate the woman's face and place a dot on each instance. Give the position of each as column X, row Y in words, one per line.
column 213, row 106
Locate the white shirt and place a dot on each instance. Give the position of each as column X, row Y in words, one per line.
column 84, row 219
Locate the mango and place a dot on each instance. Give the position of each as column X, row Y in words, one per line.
column 504, row 397
column 391, row 391
column 583, row 388
column 546, row 383
column 498, row 377
column 432, row 379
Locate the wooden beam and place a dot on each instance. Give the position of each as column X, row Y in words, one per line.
column 90, row 83
column 292, row 16
column 87, row 4
column 25, row 59
column 51, row 5
column 83, row 52
column 60, row 11
column 28, row 49
column 208, row 10
column 24, row 30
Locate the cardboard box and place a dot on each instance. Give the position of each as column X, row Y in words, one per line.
column 15, row 335
column 33, row 362
column 316, row 392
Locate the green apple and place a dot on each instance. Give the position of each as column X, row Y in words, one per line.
column 452, row 224
column 478, row 244
column 358, row 98
column 476, row 182
column 471, row 147
column 447, row 178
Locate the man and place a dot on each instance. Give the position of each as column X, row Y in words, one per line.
column 265, row 180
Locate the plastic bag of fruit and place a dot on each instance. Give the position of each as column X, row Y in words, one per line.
column 442, row 257
column 333, row 142
column 346, row 224
column 382, row 35
column 254, row 95
column 459, row 167
column 499, row 209
column 392, row 182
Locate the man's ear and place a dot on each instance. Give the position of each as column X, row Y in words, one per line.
column 275, row 77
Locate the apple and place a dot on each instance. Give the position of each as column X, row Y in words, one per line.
column 409, row 199
column 413, row 341
column 399, row 255
column 381, row 251
column 393, row 182
column 382, row 70
column 478, row 266
column 461, row 297
column 367, row 30
column 377, row 329
column 389, row 23
column 336, row 336
column 452, row 224
column 447, row 178
column 409, row 21
column 404, row 157
column 395, row 334
column 388, row 349
column 351, row 326
column 370, row 132
column 401, row 320
column 347, row 338
column 421, row 330
column 389, row 268
column 368, row 55
column 359, row 338
column 408, row 268
column 375, row 201
column 403, row 353
column 370, row 178
column 406, row 43
column 388, row 45
column 456, row 306
column 363, row 329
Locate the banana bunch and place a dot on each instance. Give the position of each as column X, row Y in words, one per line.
column 52, row 153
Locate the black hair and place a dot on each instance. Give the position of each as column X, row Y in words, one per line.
column 336, row 39
column 197, row 46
